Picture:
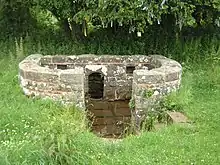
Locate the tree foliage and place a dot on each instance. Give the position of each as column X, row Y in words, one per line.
column 15, row 17
column 81, row 16
column 139, row 14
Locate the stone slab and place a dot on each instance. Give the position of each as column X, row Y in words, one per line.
column 177, row 117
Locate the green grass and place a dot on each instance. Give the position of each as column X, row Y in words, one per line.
column 42, row 132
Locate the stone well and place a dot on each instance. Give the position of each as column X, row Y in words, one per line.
column 102, row 85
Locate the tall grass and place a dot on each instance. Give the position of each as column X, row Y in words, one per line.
column 190, row 50
column 34, row 131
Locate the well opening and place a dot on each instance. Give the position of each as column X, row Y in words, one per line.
column 62, row 66
column 130, row 70
column 109, row 118
column 96, row 85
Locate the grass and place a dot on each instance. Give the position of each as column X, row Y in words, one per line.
column 42, row 132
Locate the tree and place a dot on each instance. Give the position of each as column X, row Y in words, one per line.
column 15, row 17
column 139, row 14
column 64, row 11
column 78, row 17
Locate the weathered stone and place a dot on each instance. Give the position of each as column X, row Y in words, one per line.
column 172, row 74
column 112, row 81
column 59, row 59
column 70, row 79
column 97, row 68
column 148, row 77
column 110, row 93
column 41, row 77
column 108, row 81
column 123, row 92
column 177, row 117
column 46, row 61
column 72, row 87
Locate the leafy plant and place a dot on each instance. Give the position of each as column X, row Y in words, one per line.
column 132, row 104
column 147, row 93
column 149, row 122
column 170, row 103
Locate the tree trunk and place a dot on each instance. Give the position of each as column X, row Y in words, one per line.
column 77, row 31
column 64, row 24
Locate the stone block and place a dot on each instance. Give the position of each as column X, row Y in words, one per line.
column 123, row 93
column 177, row 117
column 172, row 73
column 51, row 77
column 171, row 76
column 110, row 93
column 69, row 78
column 59, row 59
column 116, row 70
column 41, row 77
column 103, row 69
column 112, row 81
column 33, row 75
column 46, row 61
column 71, row 87
column 124, row 83
column 148, row 77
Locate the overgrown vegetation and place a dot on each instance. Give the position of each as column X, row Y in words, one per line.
column 41, row 132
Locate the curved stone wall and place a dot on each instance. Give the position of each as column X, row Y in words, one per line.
column 56, row 84
column 144, row 79
column 66, row 77
column 150, row 85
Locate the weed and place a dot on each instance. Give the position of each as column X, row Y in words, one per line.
column 147, row 93
column 132, row 104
